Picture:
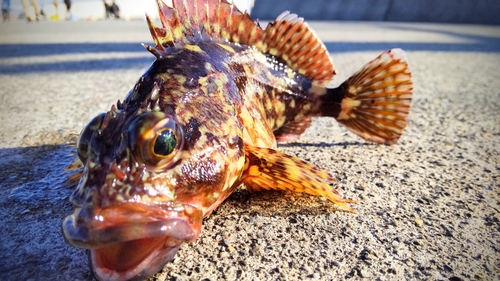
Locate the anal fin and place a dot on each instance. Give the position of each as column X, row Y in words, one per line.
column 292, row 130
column 268, row 169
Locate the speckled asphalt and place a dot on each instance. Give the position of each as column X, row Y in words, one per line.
column 429, row 206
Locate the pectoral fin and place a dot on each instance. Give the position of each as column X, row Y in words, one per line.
column 72, row 180
column 267, row 168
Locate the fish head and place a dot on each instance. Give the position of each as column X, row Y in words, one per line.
column 145, row 187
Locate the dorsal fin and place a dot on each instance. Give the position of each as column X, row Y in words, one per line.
column 190, row 21
column 288, row 38
column 291, row 39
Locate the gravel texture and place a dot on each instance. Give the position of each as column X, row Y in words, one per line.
column 429, row 206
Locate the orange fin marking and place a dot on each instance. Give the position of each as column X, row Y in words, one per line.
column 75, row 165
column 377, row 98
column 73, row 180
column 267, row 168
column 292, row 130
column 159, row 37
column 291, row 39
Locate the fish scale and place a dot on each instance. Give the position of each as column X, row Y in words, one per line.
column 205, row 119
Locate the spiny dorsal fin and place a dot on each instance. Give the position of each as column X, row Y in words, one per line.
column 291, row 39
column 191, row 21
column 288, row 38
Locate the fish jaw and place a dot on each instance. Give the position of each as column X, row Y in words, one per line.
column 133, row 260
column 132, row 241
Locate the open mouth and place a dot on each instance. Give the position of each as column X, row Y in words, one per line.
column 133, row 260
column 132, row 241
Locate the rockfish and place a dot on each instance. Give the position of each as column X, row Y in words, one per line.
column 205, row 119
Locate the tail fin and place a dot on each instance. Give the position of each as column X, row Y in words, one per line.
column 374, row 103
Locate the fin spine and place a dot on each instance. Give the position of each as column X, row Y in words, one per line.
column 288, row 37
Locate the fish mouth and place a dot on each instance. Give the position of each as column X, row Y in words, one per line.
column 133, row 260
column 132, row 241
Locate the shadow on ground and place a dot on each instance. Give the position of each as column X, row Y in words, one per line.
column 36, row 201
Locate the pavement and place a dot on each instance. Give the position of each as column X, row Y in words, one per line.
column 429, row 206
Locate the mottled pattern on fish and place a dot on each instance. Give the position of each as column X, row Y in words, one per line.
column 205, row 119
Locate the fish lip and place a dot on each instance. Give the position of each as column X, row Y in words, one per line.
column 127, row 225
column 98, row 227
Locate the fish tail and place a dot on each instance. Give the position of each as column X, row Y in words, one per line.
column 374, row 103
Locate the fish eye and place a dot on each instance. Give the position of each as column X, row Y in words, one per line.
column 154, row 139
column 86, row 135
column 165, row 143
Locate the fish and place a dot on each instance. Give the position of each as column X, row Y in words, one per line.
column 205, row 119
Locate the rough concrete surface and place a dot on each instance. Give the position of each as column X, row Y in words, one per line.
column 428, row 206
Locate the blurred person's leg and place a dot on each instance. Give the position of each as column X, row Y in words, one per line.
column 68, row 9
column 26, row 8
column 57, row 8
column 6, row 10
column 37, row 8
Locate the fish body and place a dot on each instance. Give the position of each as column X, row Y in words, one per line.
column 205, row 119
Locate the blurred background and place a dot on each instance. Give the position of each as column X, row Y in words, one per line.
column 91, row 9
column 444, row 11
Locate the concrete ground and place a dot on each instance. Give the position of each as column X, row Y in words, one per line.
column 429, row 206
